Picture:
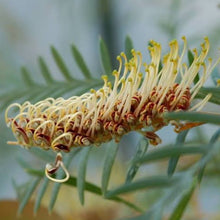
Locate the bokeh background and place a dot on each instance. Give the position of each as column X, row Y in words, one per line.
column 29, row 28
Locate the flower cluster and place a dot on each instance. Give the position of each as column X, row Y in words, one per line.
column 133, row 102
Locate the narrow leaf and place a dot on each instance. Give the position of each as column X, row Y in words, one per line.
column 160, row 67
column 174, row 160
column 140, row 152
column 29, row 191
column 194, row 116
column 27, row 77
column 110, row 156
column 90, row 187
column 45, row 71
column 82, row 173
column 105, row 57
column 213, row 150
column 20, row 189
column 128, row 47
column 212, row 141
column 215, row 137
column 190, row 57
column 149, row 182
column 190, row 61
column 40, row 194
column 182, row 204
column 60, row 64
column 167, row 152
column 203, row 92
column 80, row 62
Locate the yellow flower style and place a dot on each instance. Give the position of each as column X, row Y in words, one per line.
column 134, row 102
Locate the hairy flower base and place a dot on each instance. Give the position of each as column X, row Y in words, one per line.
column 134, row 102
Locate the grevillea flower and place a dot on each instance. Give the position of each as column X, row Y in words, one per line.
column 134, row 101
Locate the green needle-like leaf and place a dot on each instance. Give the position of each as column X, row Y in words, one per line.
column 141, row 150
column 160, row 67
column 60, row 64
column 190, row 57
column 80, row 62
column 128, row 47
column 173, row 160
column 90, row 187
column 167, row 152
column 20, row 189
column 105, row 57
column 203, row 92
column 82, row 173
column 39, row 92
column 148, row 182
column 45, row 71
column 194, row 116
column 35, row 92
column 182, row 204
column 190, row 61
column 27, row 77
column 40, row 194
column 29, row 191
column 215, row 137
column 110, row 156
column 212, row 141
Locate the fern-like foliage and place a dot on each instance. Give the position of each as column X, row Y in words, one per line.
column 180, row 184
column 34, row 91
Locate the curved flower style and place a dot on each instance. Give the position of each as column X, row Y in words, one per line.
column 135, row 101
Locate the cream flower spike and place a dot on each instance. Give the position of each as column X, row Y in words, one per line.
column 135, row 101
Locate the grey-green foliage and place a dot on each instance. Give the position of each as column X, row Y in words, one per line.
column 105, row 57
column 175, row 184
column 180, row 185
column 82, row 173
column 140, row 152
column 35, row 91
column 110, row 156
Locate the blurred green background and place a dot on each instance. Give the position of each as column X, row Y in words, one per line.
column 29, row 28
